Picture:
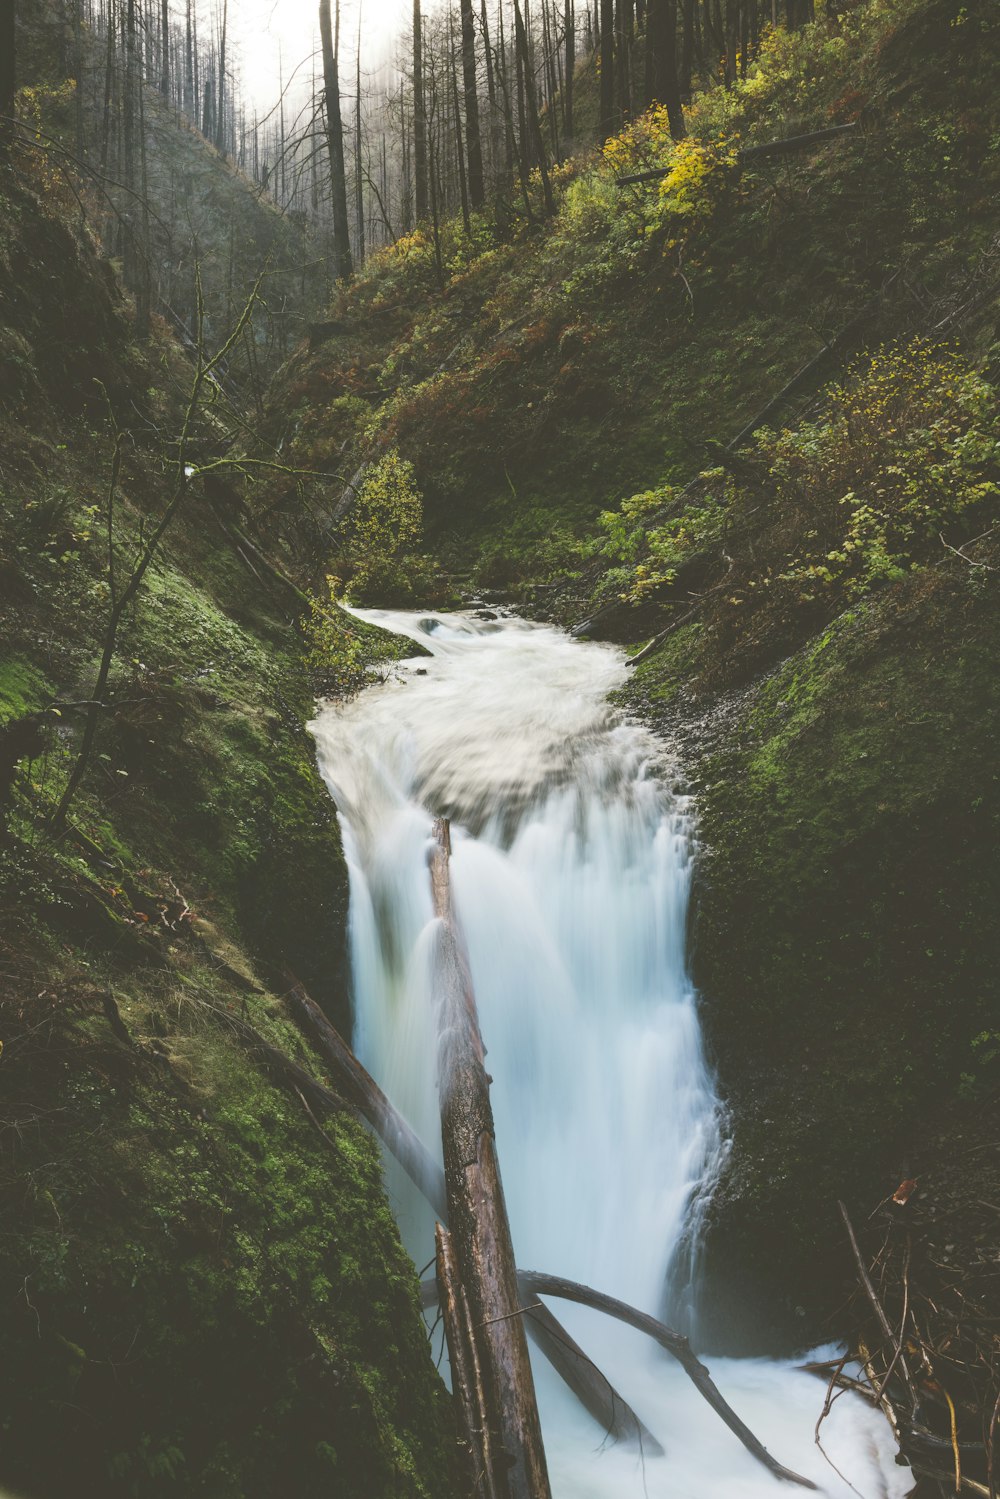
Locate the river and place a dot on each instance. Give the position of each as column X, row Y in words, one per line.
column 571, row 871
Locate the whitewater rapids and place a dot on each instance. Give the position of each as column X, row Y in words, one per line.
column 571, row 873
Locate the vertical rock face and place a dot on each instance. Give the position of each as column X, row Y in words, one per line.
column 842, row 937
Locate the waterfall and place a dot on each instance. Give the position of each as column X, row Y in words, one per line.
column 571, row 874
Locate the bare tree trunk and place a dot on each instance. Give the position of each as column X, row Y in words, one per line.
column 549, row 50
column 190, row 93
column 8, row 55
column 491, row 91
column 343, row 267
column 456, row 106
column 521, row 41
column 688, row 48
column 623, row 57
column 359, row 186
column 662, row 85
column 208, row 112
column 144, row 289
column 165, row 49
column 524, row 139
column 606, row 124
column 473, row 139
column 475, row 1436
column 419, row 119
column 78, row 69
column 109, row 85
column 220, row 95
column 570, row 27
column 732, row 34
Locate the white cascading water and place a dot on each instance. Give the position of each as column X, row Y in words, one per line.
column 570, row 872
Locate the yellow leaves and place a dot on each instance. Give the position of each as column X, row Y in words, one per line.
column 692, row 187
column 644, row 144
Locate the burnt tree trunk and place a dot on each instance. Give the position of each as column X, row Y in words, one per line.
column 473, row 137
column 419, row 119
column 343, row 264
column 662, row 83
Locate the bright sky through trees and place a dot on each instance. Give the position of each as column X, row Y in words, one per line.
column 265, row 27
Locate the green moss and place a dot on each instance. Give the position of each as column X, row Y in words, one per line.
column 207, row 1297
column 843, row 936
column 206, row 1294
column 23, row 689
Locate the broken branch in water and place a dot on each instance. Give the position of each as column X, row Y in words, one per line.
column 537, row 1283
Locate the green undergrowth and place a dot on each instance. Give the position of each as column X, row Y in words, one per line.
column 206, row 1292
column 556, row 368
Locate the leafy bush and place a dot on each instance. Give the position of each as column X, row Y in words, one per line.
column 341, row 649
column 382, row 532
column 907, row 445
column 903, row 459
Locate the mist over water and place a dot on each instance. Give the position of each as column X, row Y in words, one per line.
column 571, row 873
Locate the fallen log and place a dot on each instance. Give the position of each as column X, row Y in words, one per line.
column 596, row 1393
column 361, row 1090
column 568, row 1358
column 543, row 1327
column 751, row 153
column 537, row 1283
column 477, row 1211
column 675, row 1344
column 467, row 1378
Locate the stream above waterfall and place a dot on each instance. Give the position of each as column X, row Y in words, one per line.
column 571, row 870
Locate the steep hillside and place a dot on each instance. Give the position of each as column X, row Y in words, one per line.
column 535, row 382
column 190, row 215
column 821, row 600
column 205, row 1289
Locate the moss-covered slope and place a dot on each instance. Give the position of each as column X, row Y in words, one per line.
column 205, row 1290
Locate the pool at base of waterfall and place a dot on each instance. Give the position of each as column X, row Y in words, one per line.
column 571, row 870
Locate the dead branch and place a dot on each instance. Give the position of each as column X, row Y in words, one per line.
column 876, row 1305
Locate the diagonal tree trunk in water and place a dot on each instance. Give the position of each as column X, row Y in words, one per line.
column 343, row 266
column 473, row 139
column 662, row 84
column 478, row 1214
column 420, row 176
column 596, row 1394
column 466, row 1372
